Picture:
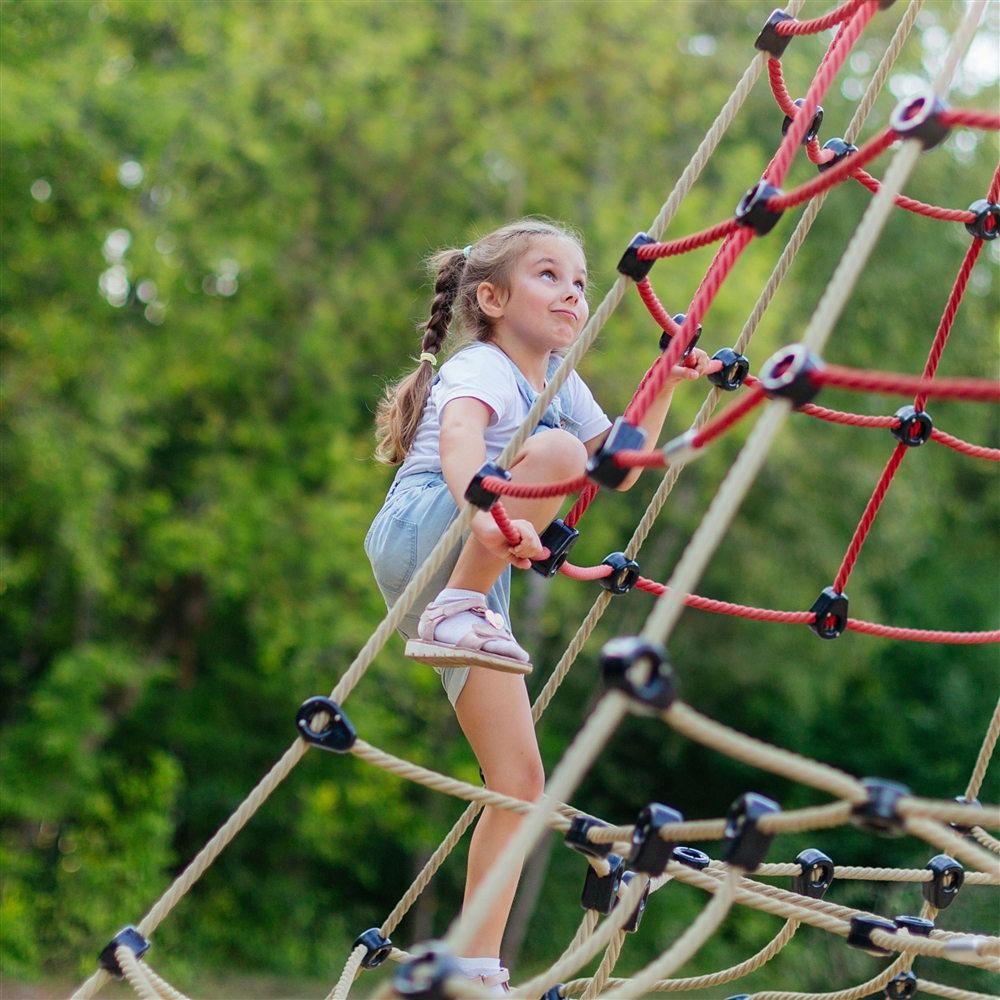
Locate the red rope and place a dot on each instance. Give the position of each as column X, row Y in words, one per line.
column 917, row 207
column 505, row 524
column 655, row 307
column 654, row 251
column 533, row 491
column 922, row 634
column 970, row 118
column 585, row 572
column 729, row 416
column 777, row 80
column 850, row 419
column 868, row 518
column 628, row 459
column 818, row 24
column 978, row 390
column 583, row 501
column 975, row 450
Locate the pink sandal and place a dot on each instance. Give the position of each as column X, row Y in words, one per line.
column 468, row 652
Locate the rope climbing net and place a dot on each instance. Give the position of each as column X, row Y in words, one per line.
column 628, row 863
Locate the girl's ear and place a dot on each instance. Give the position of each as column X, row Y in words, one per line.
column 491, row 299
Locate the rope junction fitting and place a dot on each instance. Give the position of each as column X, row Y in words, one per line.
column 626, row 864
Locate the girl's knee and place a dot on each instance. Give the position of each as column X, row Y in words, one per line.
column 562, row 453
column 525, row 780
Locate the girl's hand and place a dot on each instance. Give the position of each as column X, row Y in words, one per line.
column 695, row 364
column 492, row 538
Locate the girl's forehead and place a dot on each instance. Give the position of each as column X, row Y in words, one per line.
column 561, row 251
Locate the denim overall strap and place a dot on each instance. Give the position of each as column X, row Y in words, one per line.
column 559, row 411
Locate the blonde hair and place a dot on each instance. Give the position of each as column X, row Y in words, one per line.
column 457, row 277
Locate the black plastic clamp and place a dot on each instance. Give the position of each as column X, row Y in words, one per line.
column 746, row 844
column 814, row 125
column 630, row 265
column 769, row 40
column 962, row 828
column 734, row 371
column 918, row 926
column 650, row 852
column 692, row 857
column 915, row 426
column 559, row 538
column 665, row 337
column 576, row 837
column 841, row 149
column 427, row 972
column 553, row 993
column 948, row 879
column 752, row 209
column 830, row 609
column 901, row 987
column 624, row 573
column 816, row 875
column 131, row 939
column 477, row 494
column 986, row 224
column 378, row 948
column 786, row 374
column 879, row 814
column 639, row 668
column 601, row 468
column 632, row 924
column 919, row 117
column 337, row 736
column 860, row 935
column 600, row 892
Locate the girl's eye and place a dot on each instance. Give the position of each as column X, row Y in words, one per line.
column 579, row 284
column 548, row 274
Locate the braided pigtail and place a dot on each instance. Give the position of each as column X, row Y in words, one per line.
column 400, row 410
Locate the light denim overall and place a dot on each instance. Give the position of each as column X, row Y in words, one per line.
column 416, row 513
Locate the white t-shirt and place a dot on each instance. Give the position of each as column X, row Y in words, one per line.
column 484, row 372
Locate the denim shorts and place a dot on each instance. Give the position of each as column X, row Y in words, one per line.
column 416, row 513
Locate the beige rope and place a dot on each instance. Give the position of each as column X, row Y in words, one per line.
column 350, row 973
column 160, row 984
column 687, row 945
column 990, row 843
column 880, row 874
column 863, row 990
column 950, row 812
column 939, row 989
column 134, row 974
column 951, row 843
column 604, row 970
column 985, row 753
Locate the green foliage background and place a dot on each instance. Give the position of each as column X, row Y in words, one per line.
column 184, row 501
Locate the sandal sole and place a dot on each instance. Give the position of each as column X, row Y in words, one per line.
column 436, row 654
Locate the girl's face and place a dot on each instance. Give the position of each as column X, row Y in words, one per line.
column 545, row 308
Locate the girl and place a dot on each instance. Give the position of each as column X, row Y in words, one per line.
column 519, row 294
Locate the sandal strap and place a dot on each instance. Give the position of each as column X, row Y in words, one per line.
column 496, row 979
column 437, row 613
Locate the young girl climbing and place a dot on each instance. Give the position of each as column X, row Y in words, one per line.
column 519, row 295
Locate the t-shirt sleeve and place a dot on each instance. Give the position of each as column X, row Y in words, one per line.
column 592, row 419
column 474, row 373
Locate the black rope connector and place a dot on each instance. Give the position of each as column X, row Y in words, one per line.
column 949, row 877
column 559, row 538
column 665, row 337
column 639, row 668
column 814, row 126
column 576, row 837
column 830, row 609
column 918, row 926
column 692, row 857
column 861, row 934
column 601, row 468
column 338, row 735
column 632, row 924
column 630, row 265
column 733, row 372
column 769, row 40
column 553, row 993
column 477, row 494
column 816, row 876
column 841, row 148
column 131, row 939
column 378, row 948
column 919, row 117
column 600, row 892
column 962, row 828
column 650, row 852
column 786, row 374
column 427, row 972
column 746, row 844
column 753, row 211
column 901, row 986
column 624, row 573
column 915, row 426
column 986, row 224
column 879, row 814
